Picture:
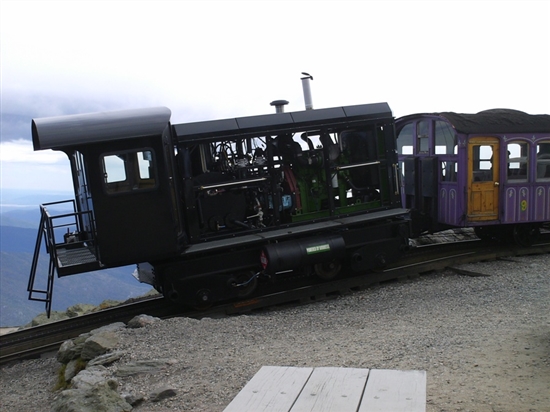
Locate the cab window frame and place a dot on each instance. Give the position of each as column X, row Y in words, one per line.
column 129, row 171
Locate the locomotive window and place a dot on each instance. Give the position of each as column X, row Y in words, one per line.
column 543, row 162
column 445, row 139
column 516, row 161
column 114, row 169
column 128, row 171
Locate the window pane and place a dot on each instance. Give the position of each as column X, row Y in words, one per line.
column 129, row 171
column 422, row 133
column 405, row 140
column 543, row 162
column 445, row 139
column 145, row 160
column 517, row 161
column 448, row 171
column 114, row 169
column 483, row 163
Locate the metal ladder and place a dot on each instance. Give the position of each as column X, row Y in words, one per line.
column 77, row 253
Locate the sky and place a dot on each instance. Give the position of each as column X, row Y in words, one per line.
column 220, row 59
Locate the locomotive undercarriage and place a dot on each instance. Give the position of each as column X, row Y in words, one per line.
column 242, row 272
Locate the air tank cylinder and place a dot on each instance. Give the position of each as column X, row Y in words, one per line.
column 292, row 254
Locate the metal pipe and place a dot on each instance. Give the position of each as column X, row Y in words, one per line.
column 279, row 105
column 307, row 90
column 356, row 165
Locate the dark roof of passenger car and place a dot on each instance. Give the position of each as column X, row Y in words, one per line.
column 491, row 121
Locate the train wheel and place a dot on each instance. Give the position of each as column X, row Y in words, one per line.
column 328, row 270
column 525, row 234
column 246, row 282
column 203, row 299
column 483, row 232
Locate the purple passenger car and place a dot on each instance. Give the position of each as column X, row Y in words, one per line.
column 489, row 171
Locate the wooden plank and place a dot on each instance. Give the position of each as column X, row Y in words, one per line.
column 393, row 390
column 272, row 389
column 332, row 389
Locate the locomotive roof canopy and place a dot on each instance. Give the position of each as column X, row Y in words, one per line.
column 279, row 122
column 73, row 130
column 493, row 121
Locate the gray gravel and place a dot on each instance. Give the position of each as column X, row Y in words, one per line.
column 484, row 342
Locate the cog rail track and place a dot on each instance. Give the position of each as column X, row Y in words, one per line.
column 33, row 342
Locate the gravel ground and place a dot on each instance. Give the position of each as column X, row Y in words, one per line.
column 484, row 342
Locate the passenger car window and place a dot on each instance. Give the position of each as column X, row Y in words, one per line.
column 483, row 163
column 543, row 162
column 445, row 138
column 517, row 161
column 422, row 134
column 405, row 140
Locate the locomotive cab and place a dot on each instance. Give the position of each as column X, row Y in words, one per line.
column 123, row 177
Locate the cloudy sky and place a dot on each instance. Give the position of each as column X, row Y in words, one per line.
column 206, row 60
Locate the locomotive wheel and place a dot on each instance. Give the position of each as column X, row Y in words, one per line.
column 249, row 282
column 203, row 300
column 328, row 270
column 525, row 235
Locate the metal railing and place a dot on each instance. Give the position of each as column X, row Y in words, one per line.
column 69, row 226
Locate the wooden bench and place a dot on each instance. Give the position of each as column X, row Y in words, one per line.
column 291, row 389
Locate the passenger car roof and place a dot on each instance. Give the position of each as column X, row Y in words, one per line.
column 492, row 121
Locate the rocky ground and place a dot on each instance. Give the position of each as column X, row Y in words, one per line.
column 484, row 342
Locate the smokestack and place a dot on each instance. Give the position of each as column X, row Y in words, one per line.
column 307, row 90
column 279, row 105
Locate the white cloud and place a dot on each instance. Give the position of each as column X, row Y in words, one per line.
column 218, row 59
column 21, row 151
column 22, row 168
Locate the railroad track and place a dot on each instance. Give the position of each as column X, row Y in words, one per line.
column 32, row 342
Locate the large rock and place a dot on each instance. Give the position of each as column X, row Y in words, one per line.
column 89, row 377
column 101, row 397
column 142, row 320
column 113, row 327
column 42, row 319
column 71, row 349
column 79, row 309
column 106, row 359
column 98, row 344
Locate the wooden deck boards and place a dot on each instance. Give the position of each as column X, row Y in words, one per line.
column 291, row 389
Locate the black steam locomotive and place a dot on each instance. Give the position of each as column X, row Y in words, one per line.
column 209, row 210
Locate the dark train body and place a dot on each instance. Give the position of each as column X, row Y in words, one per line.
column 489, row 171
column 209, row 209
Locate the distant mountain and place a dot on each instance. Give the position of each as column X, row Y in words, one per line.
column 14, row 199
column 17, row 239
column 23, row 217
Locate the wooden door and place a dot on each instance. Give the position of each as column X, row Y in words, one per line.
column 483, row 178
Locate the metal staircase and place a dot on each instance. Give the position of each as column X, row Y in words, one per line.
column 69, row 241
